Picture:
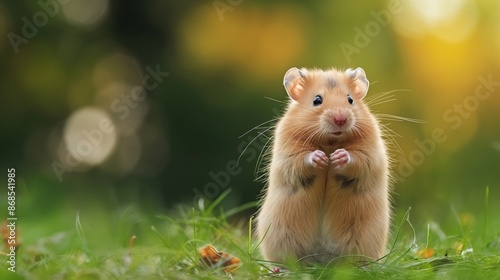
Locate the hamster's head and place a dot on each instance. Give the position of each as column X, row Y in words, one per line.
column 327, row 104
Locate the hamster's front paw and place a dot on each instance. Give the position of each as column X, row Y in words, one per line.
column 340, row 158
column 317, row 159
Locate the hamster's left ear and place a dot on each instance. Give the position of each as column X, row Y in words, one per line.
column 294, row 82
column 360, row 82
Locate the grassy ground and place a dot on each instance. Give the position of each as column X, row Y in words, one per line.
column 167, row 247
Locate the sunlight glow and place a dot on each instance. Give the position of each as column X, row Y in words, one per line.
column 448, row 20
column 247, row 39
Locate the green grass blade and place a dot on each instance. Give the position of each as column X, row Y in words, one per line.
column 81, row 234
column 240, row 208
column 250, row 223
column 485, row 225
column 217, row 201
column 398, row 232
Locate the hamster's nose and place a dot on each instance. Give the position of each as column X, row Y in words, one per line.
column 340, row 121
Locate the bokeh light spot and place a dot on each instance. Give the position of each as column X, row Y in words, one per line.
column 89, row 135
column 117, row 67
column 85, row 12
column 126, row 110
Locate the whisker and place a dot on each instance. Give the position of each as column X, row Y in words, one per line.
column 276, row 100
column 390, row 136
column 387, row 128
column 381, row 101
column 248, row 145
column 373, row 100
column 398, row 118
column 263, row 153
column 258, row 127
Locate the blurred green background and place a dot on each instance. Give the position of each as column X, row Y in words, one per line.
column 172, row 137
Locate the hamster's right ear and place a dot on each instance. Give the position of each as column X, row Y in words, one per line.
column 294, row 82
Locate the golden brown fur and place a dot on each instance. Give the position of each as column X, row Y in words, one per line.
column 321, row 206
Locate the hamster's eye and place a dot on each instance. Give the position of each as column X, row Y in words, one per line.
column 350, row 100
column 318, row 100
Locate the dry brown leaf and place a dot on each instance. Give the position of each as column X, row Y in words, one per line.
column 214, row 259
column 426, row 253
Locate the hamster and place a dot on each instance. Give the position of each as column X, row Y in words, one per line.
column 327, row 193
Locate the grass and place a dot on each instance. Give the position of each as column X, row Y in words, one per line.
column 167, row 248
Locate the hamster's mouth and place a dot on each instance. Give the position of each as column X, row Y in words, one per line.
column 337, row 133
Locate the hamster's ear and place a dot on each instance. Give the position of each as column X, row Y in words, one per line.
column 294, row 82
column 360, row 82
